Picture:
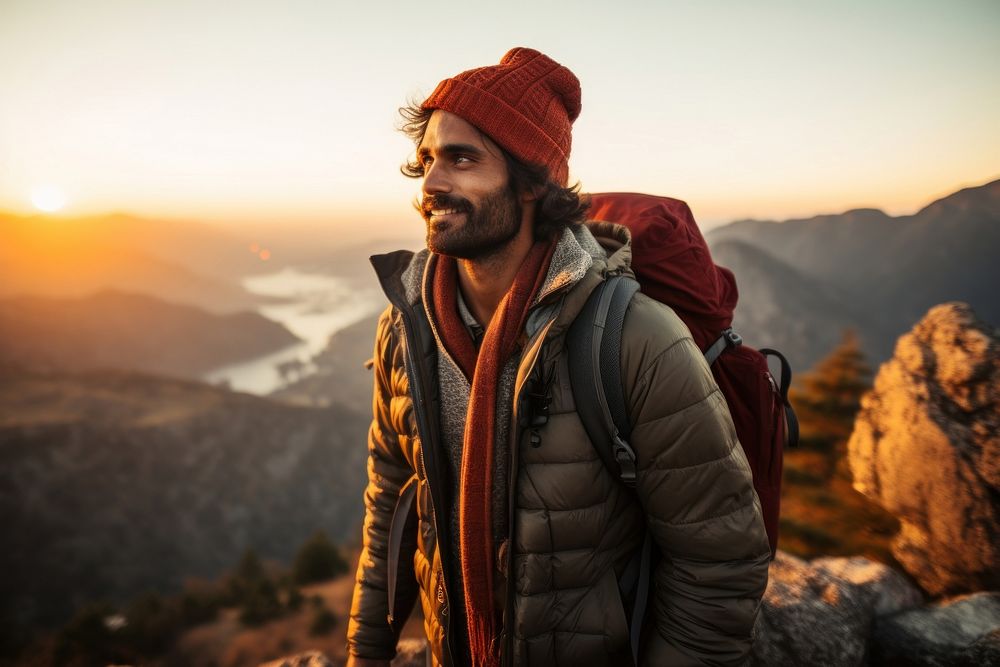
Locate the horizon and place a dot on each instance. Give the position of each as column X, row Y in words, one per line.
column 417, row 228
column 286, row 114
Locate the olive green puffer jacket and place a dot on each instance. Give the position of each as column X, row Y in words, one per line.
column 575, row 525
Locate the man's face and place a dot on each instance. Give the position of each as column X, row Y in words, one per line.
column 468, row 205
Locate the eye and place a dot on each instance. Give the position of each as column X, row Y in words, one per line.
column 425, row 160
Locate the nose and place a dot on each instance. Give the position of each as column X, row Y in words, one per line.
column 435, row 180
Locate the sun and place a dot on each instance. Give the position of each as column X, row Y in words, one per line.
column 48, row 198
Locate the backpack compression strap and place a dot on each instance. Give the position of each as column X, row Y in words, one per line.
column 730, row 338
column 791, row 420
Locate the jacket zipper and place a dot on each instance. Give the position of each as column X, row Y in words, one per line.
column 507, row 638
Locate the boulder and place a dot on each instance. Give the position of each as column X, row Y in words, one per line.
column 926, row 446
column 307, row 659
column 983, row 651
column 959, row 631
column 821, row 613
column 410, row 653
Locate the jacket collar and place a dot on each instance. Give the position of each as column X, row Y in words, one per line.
column 595, row 246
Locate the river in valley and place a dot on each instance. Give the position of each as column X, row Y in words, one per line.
column 316, row 305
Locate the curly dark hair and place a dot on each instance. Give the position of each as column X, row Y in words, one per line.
column 556, row 207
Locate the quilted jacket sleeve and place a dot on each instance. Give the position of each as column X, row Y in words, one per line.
column 368, row 632
column 695, row 484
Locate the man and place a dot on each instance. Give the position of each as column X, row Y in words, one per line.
column 520, row 531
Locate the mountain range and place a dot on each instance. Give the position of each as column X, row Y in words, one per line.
column 181, row 261
column 112, row 329
column 802, row 283
column 861, row 269
column 113, row 482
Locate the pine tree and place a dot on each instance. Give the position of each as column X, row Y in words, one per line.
column 828, row 398
column 821, row 512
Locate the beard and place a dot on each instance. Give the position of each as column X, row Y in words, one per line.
column 487, row 228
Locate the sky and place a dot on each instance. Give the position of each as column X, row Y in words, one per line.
column 286, row 111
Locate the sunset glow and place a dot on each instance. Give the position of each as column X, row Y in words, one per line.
column 48, row 198
column 287, row 114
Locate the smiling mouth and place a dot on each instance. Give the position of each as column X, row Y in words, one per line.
column 440, row 214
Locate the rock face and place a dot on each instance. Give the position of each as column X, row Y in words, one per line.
column 959, row 631
column 926, row 446
column 822, row 612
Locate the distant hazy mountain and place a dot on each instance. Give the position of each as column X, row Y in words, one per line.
column 327, row 254
column 801, row 282
column 782, row 308
column 186, row 263
column 112, row 483
column 887, row 270
column 131, row 331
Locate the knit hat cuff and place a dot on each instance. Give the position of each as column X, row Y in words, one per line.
column 502, row 123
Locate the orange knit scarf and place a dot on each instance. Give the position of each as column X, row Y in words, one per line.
column 483, row 372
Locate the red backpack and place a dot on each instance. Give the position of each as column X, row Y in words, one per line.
column 673, row 265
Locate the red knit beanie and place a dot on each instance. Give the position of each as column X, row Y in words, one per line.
column 526, row 104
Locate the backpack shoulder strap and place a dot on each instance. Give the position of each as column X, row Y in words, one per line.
column 594, row 341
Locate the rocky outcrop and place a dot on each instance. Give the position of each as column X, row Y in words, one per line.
column 822, row 612
column 409, row 653
column 959, row 631
column 926, row 446
column 307, row 659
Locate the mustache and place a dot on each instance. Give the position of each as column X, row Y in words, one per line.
column 431, row 202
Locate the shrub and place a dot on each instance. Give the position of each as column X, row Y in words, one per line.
column 152, row 623
column 260, row 603
column 87, row 637
column 241, row 583
column 318, row 559
column 200, row 603
column 294, row 599
column 323, row 622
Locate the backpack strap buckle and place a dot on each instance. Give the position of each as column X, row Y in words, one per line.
column 726, row 340
column 625, row 456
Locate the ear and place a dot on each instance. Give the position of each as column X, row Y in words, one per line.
column 532, row 194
